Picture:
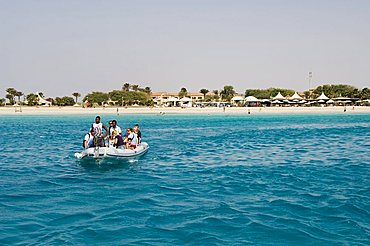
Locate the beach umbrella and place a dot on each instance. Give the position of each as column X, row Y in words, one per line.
column 276, row 101
column 330, row 101
column 295, row 97
column 321, row 101
column 322, row 97
column 185, row 99
column 251, row 99
column 237, row 98
column 173, row 99
column 279, row 97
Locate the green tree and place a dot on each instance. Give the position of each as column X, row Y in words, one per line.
column 183, row 92
column 32, row 99
column 258, row 93
column 365, row 93
column 268, row 93
column 118, row 96
column 41, row 94
column 68, row 101
column 11, row 95
column 135, row 87
column 126, row 87
column 96, row 97
column 216, row 96
column 333, row 91
column 227, row 93
column 76, row 95
column 10, row 98
column 148, row 90
column 130, row 97
column 204, row 92
column 284, row 92
column 307, row 94
column 2, row 101
column 19, row 94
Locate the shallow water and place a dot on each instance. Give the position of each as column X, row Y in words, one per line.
column 221, row 180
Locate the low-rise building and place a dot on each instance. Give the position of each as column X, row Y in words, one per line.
column 161, row 98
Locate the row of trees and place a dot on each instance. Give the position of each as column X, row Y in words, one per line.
column 225, row 94
column 128, row 87
column 11, row 93
column 34, row 98
column 134, row 94
column 268, row 93
column 120, row 97
column 334, row 91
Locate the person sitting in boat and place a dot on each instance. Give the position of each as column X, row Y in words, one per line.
column 114, row 127
column 88, row 140
column 138, row 133
column 98, row 127
column 118, row 141
column 132, row 139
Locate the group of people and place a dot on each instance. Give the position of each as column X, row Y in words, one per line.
column 95, row 137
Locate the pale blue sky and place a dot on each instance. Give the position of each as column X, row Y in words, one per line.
column 59, row 47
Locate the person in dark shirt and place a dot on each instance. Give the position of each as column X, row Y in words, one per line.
column 118, row 141
column 138, row 133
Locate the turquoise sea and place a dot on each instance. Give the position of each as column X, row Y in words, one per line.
column 206, row 180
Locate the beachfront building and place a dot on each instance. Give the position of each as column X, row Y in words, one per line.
column 44, row 102
column 172, row 99
column 237, row 100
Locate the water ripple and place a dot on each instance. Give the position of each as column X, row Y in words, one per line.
column 217, row 180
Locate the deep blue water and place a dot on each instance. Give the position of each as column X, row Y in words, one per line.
column 224, row 180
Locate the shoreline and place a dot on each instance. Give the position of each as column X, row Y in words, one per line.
column 148, row 111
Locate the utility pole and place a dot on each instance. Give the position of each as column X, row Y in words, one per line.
column 309, row 82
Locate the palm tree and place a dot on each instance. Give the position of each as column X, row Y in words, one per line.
column 76, row 95
column 183, row 92
column 19, row 94
column 10, row 98
column 216, row 96
column 204, row 92
column 11, row 94
column 148, row 90
column 135, row 87
column 126, row 87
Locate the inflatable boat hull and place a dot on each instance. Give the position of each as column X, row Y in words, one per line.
column 102, row 152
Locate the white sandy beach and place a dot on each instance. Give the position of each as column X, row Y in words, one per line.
column 146, row 110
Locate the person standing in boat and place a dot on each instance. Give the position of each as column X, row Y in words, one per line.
column 138, row 133
column 97, row 128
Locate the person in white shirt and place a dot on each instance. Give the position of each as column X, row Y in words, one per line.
column 132, row 137
column 97, row 128
column 88, row 140
column 113, row 128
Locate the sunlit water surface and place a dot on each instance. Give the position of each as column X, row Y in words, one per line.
column 301, row 180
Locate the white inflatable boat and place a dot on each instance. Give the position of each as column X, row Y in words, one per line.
column 102, row 152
